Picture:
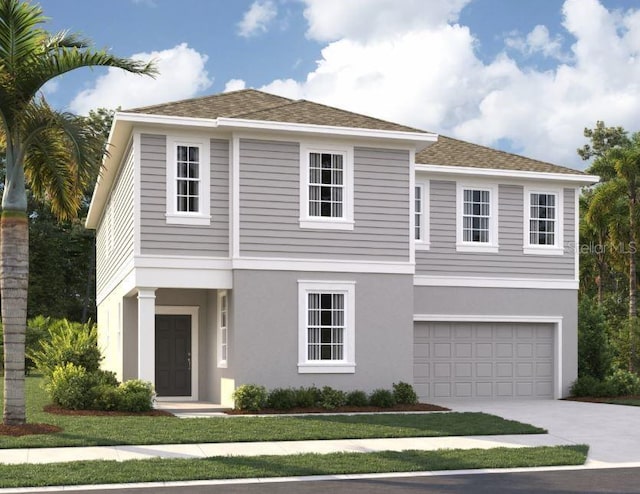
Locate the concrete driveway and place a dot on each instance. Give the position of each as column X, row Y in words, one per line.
column 611, row 431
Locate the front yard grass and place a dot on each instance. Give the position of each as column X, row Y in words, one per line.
column 128, row 430
column 165, row 470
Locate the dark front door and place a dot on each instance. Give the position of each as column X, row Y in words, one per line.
column 173, row 355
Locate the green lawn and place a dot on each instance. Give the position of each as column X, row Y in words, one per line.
column 633, row 401
column 158, row 470
column 96, row 431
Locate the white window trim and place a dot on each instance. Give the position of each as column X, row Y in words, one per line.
column 326, row 223
column 348, row 364
column 222, row 362
column 424, row 242
column 203, row 216
column 466, row 246
column 557, row 249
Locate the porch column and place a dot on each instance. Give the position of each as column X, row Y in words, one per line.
column 147, row 334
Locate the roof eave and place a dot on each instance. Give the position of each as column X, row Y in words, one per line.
column 421, row 139
column 576, row 178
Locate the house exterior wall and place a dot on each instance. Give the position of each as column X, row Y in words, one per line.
column 519, row 303
column 270, row 206
column 115, row 233
column 442, row 259
column 159, row 238
column 265, row 330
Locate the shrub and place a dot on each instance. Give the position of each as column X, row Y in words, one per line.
column 590, row 386
column 106, row 398
column 135, row 395
column 250, row 397
column 69, row 343
column 332, row 398
column 308, row 397
column 624, row 382
column 357, row 399
column 70, row 387
column 594, row 356
column 382, row 398
column 404, row 394
column 282, row 399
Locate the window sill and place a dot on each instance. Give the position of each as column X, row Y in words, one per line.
column 187, row 219
column 543, row 251
column 472, row 247
column 222, row 364
column 329, row 368
column 326, row 224
column 422, row 245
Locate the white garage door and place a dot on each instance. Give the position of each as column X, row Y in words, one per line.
column 483, row 360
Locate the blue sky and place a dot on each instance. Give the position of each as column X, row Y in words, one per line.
column 525, row 76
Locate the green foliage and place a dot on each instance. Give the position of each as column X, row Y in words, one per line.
column 332, row 398
column 357, row 398
column 282, row 399
column 404, row 394
column 135, row 395
column 623, row 382
column 591, row 386
column 382, row 398
column 594, row 358
column 106, row 397
column 69, row 343
column 70, row 386
column 250, row 397
column 308, row 397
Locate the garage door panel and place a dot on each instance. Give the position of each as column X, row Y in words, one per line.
column 483, row 360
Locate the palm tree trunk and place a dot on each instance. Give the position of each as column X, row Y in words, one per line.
column 14, row 275
column 633, row 312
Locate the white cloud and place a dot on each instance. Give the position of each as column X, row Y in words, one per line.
column 256, row 20
column 425, row 72
column 234, row 85
column 330, row 20
column 182, row 74
column 538, row 41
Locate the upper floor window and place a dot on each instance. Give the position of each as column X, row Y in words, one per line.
column 326, row 189
column 421, row 215
column 543, row 222
column 188, row 181
column 326, row 327
column 477, row 218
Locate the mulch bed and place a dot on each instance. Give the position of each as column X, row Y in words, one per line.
column 102, row 413
column 28, row 429
column 420, row 407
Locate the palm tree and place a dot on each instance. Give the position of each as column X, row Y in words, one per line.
column 50, row 151
column 620, row 166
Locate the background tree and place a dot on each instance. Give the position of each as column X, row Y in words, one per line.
column 52, row 151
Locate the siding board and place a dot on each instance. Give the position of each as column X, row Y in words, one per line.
column 270, row 206
column 160, row 238
column 443, row 260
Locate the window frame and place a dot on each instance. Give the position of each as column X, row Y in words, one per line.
column 347, row 364
column 203, row 215
column 423, row 242
column 222, row 329
column 346, row 221
column 471, row 246
column 557, row 249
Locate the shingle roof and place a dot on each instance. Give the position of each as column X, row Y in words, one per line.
column 453, row 152
column 251, row 104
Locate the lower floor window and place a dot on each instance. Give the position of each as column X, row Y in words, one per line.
column 326, row 326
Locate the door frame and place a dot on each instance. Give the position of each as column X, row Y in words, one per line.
column 193, row 311
column 557, row 337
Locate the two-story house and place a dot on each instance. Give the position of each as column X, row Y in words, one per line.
column 250, row 238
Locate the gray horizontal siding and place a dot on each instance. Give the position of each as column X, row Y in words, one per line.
column 443, row 260
column 160, row 238
column 270, row 206
column 115, row 235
